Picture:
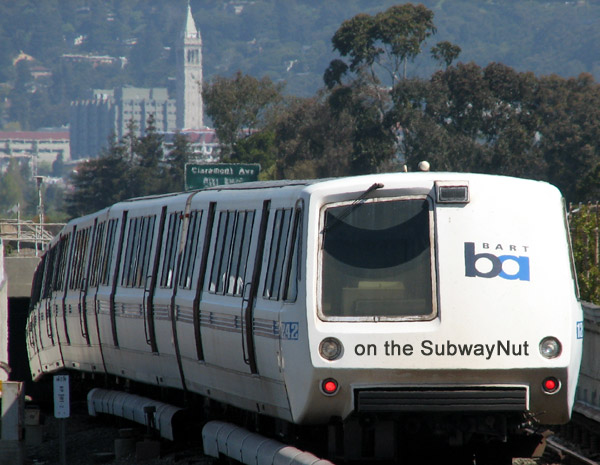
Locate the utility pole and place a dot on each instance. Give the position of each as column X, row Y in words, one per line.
column 39, row 180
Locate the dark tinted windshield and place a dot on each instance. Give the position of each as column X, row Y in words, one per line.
column 377, row 260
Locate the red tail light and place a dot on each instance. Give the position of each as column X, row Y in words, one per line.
column 329, row 386
column 551, row 385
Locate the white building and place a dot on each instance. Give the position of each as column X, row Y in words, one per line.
column 189, row 76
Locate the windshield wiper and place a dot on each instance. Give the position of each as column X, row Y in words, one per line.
column 350, row 208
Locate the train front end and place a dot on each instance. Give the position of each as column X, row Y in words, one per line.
column 443, row 301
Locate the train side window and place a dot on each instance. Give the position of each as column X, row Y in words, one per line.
column 145, row 249
column 218, row 254
column 111, row 233
column 95, row 255
column 236, row 268
column 78, row 261
column 61, row 265
column 277, row 253
column 191, row 249
column 137, row 253
column 170, row 250
column 231, row 252
column 38, row 281
column 49, row 273
column 131, row 252
column 292, row 275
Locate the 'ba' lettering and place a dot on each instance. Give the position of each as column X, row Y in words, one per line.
column 497, row 264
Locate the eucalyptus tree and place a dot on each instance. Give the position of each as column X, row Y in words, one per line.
column 380, row 43
column 239, row 106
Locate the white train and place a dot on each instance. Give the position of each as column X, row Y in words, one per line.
column 375, row 305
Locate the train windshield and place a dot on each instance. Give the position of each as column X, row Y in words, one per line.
column 376, row 260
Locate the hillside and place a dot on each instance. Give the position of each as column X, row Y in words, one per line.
column 288, row 41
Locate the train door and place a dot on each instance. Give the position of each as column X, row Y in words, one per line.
column 162, row 294
column 59, row 288
column 92, row 281
column 226, row 329
column 33, row 321
column 195, row 246
column 107, row 281
column 75, row 319
column 45, row 335
column 55, row 312
column 273, row 317
column 134, row 324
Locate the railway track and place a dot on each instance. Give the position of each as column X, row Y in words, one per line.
column 566, row 454
column 578, row 442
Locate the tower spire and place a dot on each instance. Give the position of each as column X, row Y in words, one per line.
column 189, row 75
column 190, row 31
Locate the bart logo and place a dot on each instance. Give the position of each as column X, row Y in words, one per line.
column 497, row 265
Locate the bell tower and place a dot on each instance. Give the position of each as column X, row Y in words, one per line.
column 189, row 76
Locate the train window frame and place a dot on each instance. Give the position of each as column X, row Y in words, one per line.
column 191, row 249
column 278, row 272
column 61, row 264
column 112, row 227
column 171, row 245
column 49, row 272
column 231, row 252
column 432, row 315
column 79, row 258
column 140, row 235
column 96, row 256
column 293, row 268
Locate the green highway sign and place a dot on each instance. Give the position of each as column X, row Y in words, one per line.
column 219, row 174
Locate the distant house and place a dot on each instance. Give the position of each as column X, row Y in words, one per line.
column 203, row 142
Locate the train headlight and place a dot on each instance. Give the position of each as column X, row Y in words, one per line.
column 550, row 347
column 331, row 348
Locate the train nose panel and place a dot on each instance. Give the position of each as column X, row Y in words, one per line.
column 476, row 399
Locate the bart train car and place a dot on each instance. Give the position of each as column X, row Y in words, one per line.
column 379, row 305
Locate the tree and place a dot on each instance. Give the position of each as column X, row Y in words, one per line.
column 445, row 52
column 496, row 120
column 312, row 142
column 146, row 170
column 239, row 106
column 386, row 41
column 258, row 148
column 11, row 187
column 99, row 182
column 177, row 158
column 584, row 223
column 358, row 106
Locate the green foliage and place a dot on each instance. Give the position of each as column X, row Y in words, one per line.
column 131, row 167
column 238, row 106
column 385, row 41
column 496, row 120
column 176, row 160
column 585, row 235
column 287, row 41
column 99, row 182
column 445, row 52
column 257, row 148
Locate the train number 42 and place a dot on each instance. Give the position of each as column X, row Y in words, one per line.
column 289, row 330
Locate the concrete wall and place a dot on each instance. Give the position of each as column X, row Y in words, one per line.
column 19, row 272
column 3, row 317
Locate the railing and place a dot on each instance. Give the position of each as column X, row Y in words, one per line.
column 18, row 234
